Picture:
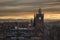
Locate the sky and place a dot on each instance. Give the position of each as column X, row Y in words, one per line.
column 52, row 15
column 15, row 9
column 28, row 5
column 55, row 15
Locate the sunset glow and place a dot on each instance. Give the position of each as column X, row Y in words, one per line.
column 30, row 15
column 16, row 17
column 52, row 16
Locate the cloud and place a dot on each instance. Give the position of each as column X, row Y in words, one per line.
column 18, row 2
column 26, row 5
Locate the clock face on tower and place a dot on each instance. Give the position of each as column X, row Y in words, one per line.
column 39, row 18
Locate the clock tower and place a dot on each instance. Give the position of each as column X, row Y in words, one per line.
column 39, row 19
column 39, row 23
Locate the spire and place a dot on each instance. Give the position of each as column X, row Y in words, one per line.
column 39, row 11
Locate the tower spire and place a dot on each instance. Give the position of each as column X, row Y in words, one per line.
column 39, row 11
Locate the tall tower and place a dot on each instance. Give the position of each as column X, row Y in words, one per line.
column 39, row 19
column 38, row 23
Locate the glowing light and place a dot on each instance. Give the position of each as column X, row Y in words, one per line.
column 30, row 15
column 52, row 16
